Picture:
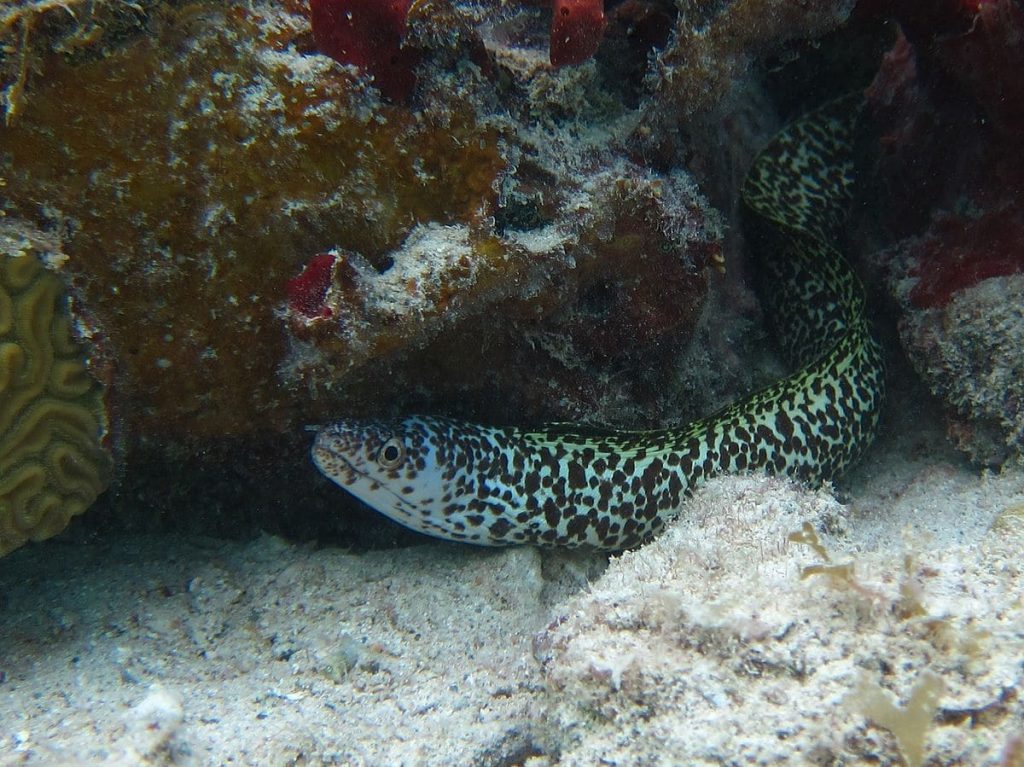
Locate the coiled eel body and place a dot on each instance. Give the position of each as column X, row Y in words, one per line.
column 560, row 486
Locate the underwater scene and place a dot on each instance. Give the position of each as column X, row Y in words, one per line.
column 492, row 384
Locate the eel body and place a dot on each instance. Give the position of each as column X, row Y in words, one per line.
column 610, row 489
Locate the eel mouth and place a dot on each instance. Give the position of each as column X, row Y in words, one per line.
column 337, row 467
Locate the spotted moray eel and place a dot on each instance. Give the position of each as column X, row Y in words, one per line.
column 612, row 490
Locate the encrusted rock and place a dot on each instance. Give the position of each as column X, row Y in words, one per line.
column 751, row 632
column 969, row 353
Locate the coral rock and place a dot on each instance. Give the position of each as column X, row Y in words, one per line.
column 955, row 221
column 715, row 44
column 52, row 418
column 968, row 350
column 612, row 280
column 191, row 174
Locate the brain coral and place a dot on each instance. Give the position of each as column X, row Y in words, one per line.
column 52, row 465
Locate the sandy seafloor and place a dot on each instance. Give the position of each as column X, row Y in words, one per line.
column 194, row 651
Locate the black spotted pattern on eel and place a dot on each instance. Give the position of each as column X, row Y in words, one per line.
column 561, row 486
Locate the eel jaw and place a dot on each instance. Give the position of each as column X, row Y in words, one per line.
column 337, row 467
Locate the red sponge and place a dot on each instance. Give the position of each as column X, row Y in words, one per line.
column 308, row 291
column 368, row 34
column 576, row 30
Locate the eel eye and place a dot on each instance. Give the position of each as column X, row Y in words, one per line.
column 391, row 454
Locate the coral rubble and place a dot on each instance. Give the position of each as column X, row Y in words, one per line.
column 707, row 646
column 52, row 417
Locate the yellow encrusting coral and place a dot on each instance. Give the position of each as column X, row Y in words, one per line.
column 52, row 462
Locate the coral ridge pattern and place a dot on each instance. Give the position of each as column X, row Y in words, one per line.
column 52, row 463
column 564, row 486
